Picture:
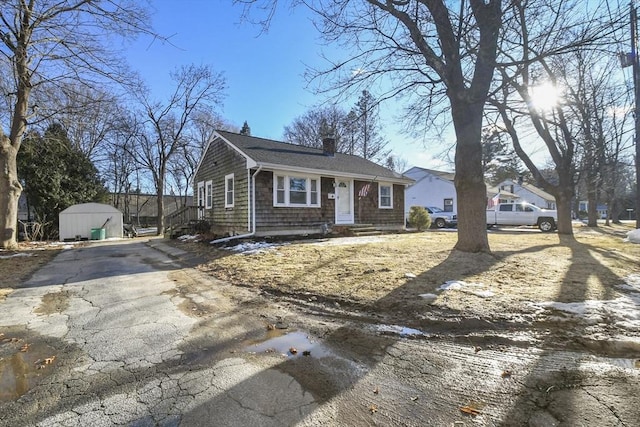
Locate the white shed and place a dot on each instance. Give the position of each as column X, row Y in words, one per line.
column 86, row 221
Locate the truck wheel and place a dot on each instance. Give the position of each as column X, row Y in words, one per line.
column 546, row 224
column 440, row 223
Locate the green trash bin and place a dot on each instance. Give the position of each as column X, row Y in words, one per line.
column 98, row 233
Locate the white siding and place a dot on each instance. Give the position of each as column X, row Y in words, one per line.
column 430, row 191
column 78, row 220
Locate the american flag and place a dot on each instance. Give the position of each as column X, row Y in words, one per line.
column 364, row 190
column 494, row 201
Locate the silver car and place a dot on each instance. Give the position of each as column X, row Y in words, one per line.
column 440, row 218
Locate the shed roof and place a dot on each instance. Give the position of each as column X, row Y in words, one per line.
column 90, row 208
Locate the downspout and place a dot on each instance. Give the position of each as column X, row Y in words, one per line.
column 253, row 214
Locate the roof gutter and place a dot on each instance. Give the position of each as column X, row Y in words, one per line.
column 253, row 214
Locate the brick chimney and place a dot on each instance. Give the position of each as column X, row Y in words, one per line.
column 329, row 146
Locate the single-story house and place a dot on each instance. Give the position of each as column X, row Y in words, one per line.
column 250, row 185
column 437, row 188
column 529, row 193
column 431, row 188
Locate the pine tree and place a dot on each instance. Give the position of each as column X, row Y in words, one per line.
column 56, row 175
column 246, row 130
column 368, row 138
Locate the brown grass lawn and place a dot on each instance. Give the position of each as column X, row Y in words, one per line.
column 16, row 269
column 392, row 271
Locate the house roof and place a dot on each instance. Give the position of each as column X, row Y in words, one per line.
column 421, row 173
column 272, row 154
column 532, row 189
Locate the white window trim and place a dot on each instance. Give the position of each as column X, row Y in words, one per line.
column 201, row 192
column 287, row 203
column 208, row 195
column 385, row 184
column 226, row 191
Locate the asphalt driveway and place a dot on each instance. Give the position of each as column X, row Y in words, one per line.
column 130, row 333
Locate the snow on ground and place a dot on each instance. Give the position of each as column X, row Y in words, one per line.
column 476, row 289
column 188, row 237
column 622, row 312
column 633, row 236
column 403, row 331
column 19, row 254
column 252, row 248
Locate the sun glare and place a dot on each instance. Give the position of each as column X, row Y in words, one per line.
column 545, row 96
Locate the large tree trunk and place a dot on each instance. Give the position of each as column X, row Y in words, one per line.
column 10, row 190
column 471, row 189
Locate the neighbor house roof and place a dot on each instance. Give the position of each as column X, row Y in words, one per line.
column 421, row 173
column 272, row 154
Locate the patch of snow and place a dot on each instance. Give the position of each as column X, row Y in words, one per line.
column 633, row 236
column 429, row 297
column 252, row 248
column 187, row 237
column 403, row 331
column 632, row 283
column 476, row 289
column 622, row 312
column 410, row 275
column 19, row 254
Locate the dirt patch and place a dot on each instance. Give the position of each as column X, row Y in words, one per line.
column 54, row 302
column 18, row 266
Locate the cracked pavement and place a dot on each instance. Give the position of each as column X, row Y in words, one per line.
column 129, row 333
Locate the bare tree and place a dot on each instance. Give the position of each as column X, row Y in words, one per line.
column 45, row 42
column 307, row 129
column 182, row 166
column 548, row 56
column 198, row 88
column 419, row 48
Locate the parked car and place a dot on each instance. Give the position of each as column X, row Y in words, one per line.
column 441, row 218
column 522, row 214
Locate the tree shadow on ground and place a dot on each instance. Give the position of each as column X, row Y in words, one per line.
column 557, row 391
column 368, row 350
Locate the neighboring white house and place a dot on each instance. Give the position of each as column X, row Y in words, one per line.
column 583, row 206
column 528, row 193
column 431, row 188
column 83, row 220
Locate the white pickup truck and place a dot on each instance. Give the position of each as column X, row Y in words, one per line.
column 522, row 214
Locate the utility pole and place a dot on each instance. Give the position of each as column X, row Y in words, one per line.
column 635, row 63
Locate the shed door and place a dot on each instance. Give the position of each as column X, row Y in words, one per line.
column 344, row 202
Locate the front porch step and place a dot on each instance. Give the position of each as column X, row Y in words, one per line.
column 364, row 230
column 367, row 233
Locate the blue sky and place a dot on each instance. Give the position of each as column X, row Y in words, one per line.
column 264, row 72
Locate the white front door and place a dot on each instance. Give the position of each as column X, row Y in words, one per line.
column 344, row 201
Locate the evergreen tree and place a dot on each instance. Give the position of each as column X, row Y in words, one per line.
column 56, row 175
column 246, row 130
column 369, row 141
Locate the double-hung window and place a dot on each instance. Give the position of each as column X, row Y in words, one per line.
column 385, row 196
column 208, row 195
column 228, row 191
column 296, row 190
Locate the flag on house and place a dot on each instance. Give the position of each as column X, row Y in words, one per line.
column 364, row 190
column 494, row 201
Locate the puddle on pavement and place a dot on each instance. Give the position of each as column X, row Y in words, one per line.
column 22, row 366
column 290, row 344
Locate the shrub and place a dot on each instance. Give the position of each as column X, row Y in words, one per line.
column 419, row 218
